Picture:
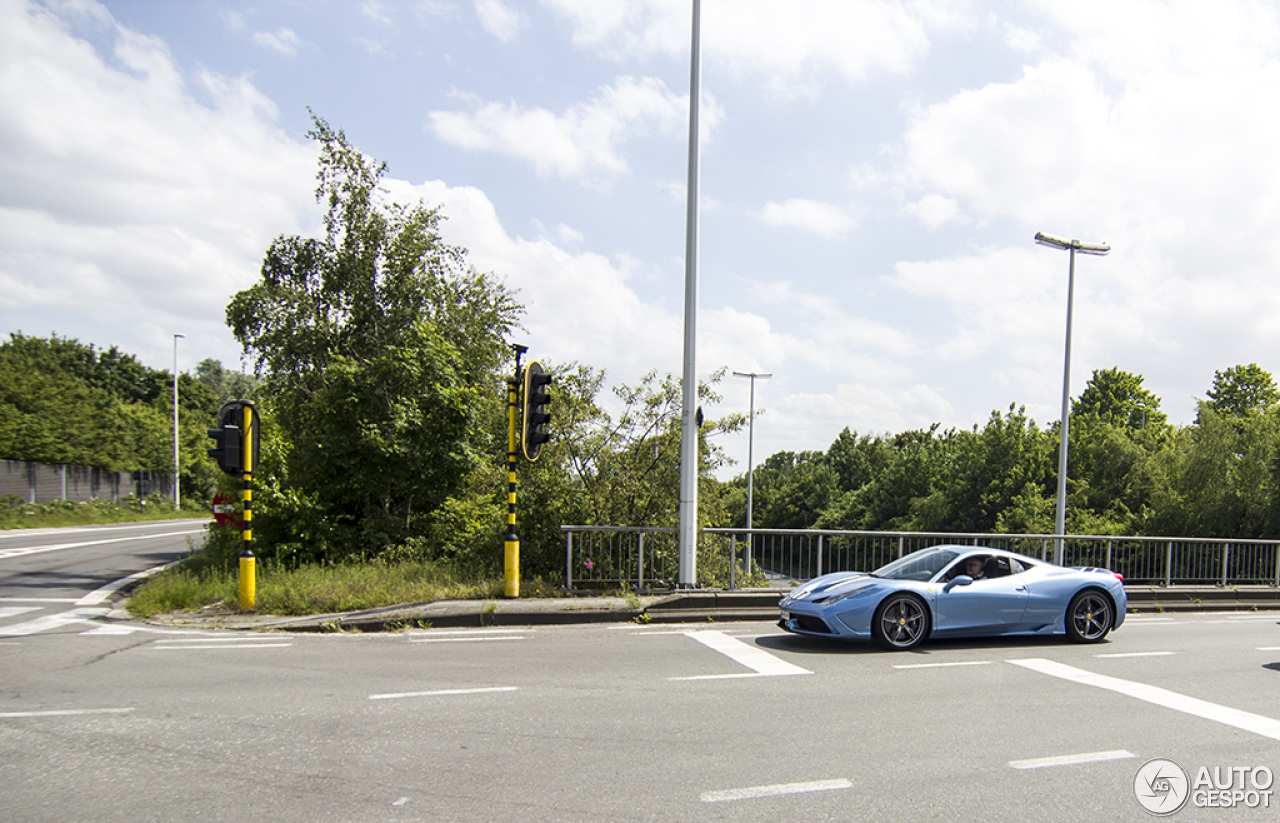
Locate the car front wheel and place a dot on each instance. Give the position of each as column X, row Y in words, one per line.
column 1089, row 617
column 900, row 623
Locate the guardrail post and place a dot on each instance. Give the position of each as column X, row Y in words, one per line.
column 1108, row 566
column 640, row 564
column 901, row 544
column 568, row 560
column 1168, row 565
column 733, row 561
column 819, row 574
column 1226, row 556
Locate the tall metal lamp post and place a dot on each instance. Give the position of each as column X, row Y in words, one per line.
column 751, row 434
column 176, row 492
column 1072, row 246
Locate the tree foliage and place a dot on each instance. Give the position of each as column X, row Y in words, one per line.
column 64, row 402
column 380, row 351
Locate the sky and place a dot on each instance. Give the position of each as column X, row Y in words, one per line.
column 873, row 173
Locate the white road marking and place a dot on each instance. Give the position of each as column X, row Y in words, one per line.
column 38, row 599
column 171, row 645
column 1071, row 759
column 773, row 791
column 1256, row 723
column 51, row 621
column 1134, row 654
column 7, row 553
column 943, row 665
column 1268, row 648
column 63, row 713
column 100, row 595
column 465, row 639
column 14, row 611
column 441, row 692
column 756, row 659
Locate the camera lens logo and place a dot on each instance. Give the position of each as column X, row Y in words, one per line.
column 1161, row 786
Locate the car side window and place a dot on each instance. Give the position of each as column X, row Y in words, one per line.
column 1016, row 567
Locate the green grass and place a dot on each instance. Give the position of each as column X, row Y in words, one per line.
column 308, row 589
column 14, row 514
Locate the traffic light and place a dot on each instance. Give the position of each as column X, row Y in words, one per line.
column 537, row 395
column 228, row 451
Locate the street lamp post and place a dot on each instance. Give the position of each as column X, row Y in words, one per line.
column 687, row 577
column 751, row 434
column 751, row 437
column 1072, row 246
column 176, row 498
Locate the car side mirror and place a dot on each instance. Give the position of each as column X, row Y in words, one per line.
column 962, row 580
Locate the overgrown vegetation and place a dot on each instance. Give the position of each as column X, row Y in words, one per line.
column 1129, row 471
column 382, row 359
column 15, row 514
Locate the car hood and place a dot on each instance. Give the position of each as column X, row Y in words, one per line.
column 839, row 584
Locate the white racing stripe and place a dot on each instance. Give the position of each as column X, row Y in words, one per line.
column 775, row 790
column 756, row 659
column 1071, row 759
column 1255, row 723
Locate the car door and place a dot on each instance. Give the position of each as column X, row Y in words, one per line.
column 989, row 605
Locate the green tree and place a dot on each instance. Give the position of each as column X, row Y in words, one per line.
column 381, row 352
column 1118, row 398
column 1241, row 390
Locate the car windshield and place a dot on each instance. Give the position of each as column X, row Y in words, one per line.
column 921, row 565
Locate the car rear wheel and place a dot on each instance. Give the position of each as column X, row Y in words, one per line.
column 1090, row 616
column 900, row 623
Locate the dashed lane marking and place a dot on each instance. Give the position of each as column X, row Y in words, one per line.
column 1071, row 759
column 441, row 693
column 775, row 790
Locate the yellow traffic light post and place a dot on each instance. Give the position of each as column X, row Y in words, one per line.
column 248, row 564
column 237, row 454
column 531, row 404
column 511, row 551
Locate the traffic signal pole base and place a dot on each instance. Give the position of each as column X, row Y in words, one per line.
column 511, row 578
column 248, row 581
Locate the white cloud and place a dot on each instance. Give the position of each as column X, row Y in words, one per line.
column 577, row 306
column 285, row 41
column 124, row 204
column 809, row 215
column 791, row 45
column 500, row 20
column 375, row 11
column 584, row 142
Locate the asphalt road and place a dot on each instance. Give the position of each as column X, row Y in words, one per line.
column 111, row 720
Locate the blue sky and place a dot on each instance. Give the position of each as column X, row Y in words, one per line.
column 873, row 173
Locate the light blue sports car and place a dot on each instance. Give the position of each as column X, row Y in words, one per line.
column 957, row 591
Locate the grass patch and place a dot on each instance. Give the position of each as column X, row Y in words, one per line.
column 193, row 585
column 15, row 514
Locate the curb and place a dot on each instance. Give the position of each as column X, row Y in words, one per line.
column 699, row 606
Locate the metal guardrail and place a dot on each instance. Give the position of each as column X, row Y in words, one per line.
column 648, row 558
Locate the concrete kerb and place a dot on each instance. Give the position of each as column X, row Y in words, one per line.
column 697, row 606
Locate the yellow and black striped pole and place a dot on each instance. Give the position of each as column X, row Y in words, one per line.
column 511, row 578
column 248, row 570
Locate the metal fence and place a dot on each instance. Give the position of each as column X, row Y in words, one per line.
column 40, row 483
column 648, row 558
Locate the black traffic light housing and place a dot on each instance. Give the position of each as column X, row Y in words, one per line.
column 537, row 395
column 229, row 437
